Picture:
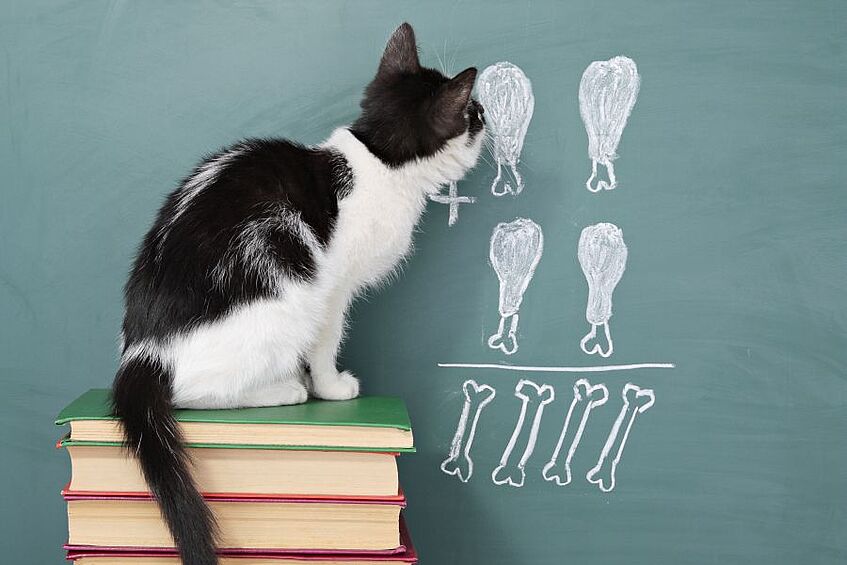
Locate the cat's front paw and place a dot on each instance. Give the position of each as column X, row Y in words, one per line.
column 339, row 386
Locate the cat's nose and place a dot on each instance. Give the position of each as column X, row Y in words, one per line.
column 480, row 111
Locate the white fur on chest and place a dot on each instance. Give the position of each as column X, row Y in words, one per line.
column 374, row 228
column 376, row 220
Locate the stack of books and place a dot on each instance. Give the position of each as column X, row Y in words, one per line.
column 315, row 483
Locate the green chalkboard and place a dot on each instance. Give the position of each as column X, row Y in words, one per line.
column 731, row 198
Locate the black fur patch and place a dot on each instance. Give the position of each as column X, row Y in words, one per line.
column 176, row 281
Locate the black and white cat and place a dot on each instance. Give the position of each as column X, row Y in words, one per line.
column 239, row 292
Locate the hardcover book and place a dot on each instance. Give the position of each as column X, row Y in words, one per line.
column 273, row 524
column 405, row 554
column 368, row 423
column 113, row 468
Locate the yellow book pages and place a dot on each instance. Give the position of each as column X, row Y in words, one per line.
column 255, row 525
column 294, row 435
column 111, row 469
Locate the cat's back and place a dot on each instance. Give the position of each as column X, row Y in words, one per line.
column 256, row 199
column 236, row 184
column 252, row 180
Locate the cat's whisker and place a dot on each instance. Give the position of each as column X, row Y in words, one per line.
column 488, row 163
column 453, row 57
column 441, row 61
column 489, row 143
column 487, row 160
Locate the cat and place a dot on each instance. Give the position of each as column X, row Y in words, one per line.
column 238, row 294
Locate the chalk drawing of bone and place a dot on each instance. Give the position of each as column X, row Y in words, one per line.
column 506, row 94
column 636, row 400
column 459, row 461
column 515, row 251
column 586, row 397
column 607, row 94
column 452, row 199
column 602, row 255
column 529, row 393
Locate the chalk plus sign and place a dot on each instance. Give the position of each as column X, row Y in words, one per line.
column 453, row 199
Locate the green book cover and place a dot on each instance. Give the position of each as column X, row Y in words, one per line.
column 365, row 411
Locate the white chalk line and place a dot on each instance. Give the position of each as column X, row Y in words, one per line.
column 531, row 369
column 544, row 394
column 515, row 250
column 506, row 94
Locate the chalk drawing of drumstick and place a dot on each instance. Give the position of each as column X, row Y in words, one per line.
column 636, row 400
column 586, row 397
column 602, row 255
column 459, row 461
column 531, row 395
column 515, row 250
column 506, row 94
column 607, row 94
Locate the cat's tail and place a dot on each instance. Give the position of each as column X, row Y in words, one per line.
column 141, row 398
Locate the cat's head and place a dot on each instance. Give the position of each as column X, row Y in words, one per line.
column 412, row 113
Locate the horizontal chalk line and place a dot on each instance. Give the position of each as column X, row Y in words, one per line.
column 530, row 369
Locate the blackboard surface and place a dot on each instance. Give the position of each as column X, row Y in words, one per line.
column 731, row 198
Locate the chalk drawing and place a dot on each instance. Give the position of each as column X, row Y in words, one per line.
column 459, row 461
column 636, row 400
column 607, row 94
column 540, row 369
column 452, row 199
column 602, row 254
column 506, row 94
column 515, row 251
column 586, row 397
column 529, row 393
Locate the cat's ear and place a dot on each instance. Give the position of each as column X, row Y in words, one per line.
column 401, row 52
column 452, row 100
